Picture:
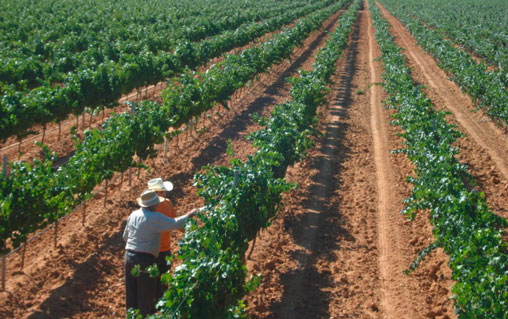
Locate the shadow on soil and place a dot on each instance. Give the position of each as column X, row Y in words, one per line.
column 320, row 230
column 72, row 298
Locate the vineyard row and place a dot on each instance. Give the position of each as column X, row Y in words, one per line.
column 487, row 87
column 36, row 194
column 105, row 81
column 243, row 198
column 463, row 225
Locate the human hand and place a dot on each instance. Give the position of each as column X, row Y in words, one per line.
column 194, row 211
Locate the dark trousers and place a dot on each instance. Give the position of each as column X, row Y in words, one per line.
column 140, row 291
column 163, row 268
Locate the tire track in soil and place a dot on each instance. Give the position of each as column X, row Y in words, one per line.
column 483, row 148
column 321, row 259
column 383, row 172
column 83, row 276
column 301, row 281
column 396, row 289
column 426, row 292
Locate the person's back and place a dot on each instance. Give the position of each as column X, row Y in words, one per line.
column 165, row 207
column 143, row 235
column 143, row 231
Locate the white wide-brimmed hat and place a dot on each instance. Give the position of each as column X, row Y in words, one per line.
column 158, row 185
column 149, row 198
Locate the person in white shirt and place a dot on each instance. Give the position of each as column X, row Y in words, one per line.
column 143, row 236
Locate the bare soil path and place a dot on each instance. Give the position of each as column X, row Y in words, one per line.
column 341, row 245
column 388, row 256
column 484, row 146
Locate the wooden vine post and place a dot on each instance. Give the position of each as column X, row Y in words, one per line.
column 187, row 130
column 4, row 171
column 43, row 133
column 106, row 190
column 236, row 176
column 56, row 232
column 5, row 165
column 84, row 213
column 19, row 147
column 3, row 273
column 165, row 146
column 131, row 112
column 253, row 244
column 23, row 256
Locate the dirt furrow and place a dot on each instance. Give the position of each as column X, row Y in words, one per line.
column 402, row 296
column 483, row 148
column 83, row 276
column 383, row 172
column 319, row 259
column 323, row 258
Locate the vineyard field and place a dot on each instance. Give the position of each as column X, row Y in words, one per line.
column 349, row 156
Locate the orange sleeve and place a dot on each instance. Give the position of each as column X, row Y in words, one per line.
column 172, row 213
column 165, row 208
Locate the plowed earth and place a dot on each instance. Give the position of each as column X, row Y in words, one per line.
column 340, row 244
column 483, row 148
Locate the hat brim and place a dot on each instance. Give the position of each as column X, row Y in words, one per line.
column 149, row 204
column 168, row 186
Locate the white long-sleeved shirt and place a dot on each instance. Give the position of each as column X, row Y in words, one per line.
column 144, row 227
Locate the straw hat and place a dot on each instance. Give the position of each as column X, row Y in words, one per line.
column 158, row 185
column 149, row 198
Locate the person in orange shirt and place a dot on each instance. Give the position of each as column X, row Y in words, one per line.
column 166, row 208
